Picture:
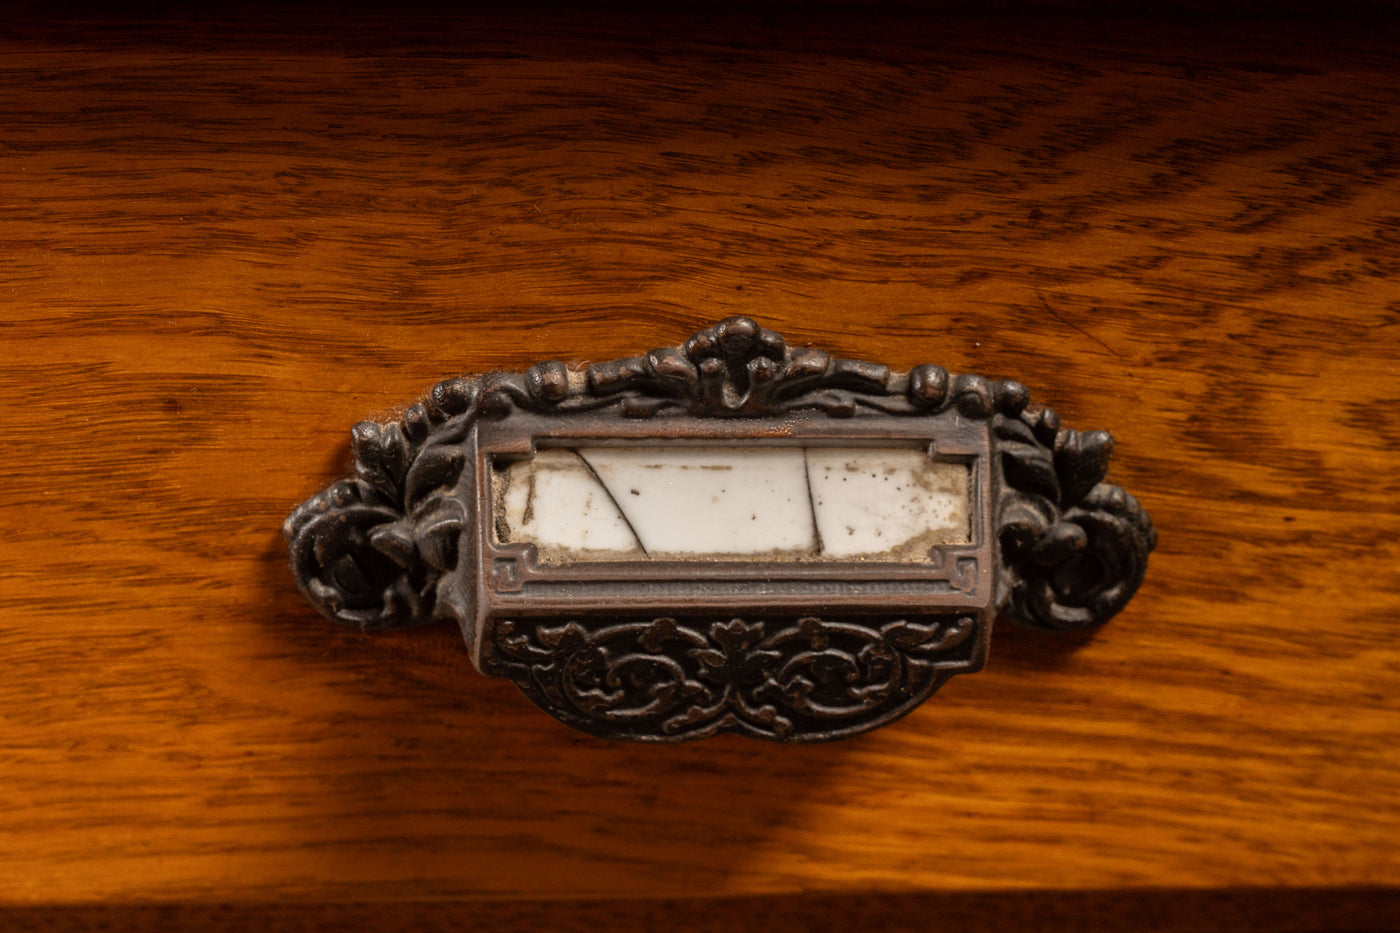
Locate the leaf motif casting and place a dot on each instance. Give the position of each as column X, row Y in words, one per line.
column 803, row 679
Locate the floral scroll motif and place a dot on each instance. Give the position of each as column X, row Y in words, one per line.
column 1073, row 548
column 666, row 679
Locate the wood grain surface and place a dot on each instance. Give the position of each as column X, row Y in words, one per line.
column 224, row 242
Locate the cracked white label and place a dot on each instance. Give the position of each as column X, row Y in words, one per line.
column 735, row 503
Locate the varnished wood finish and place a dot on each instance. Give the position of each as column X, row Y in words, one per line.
column 222, row 245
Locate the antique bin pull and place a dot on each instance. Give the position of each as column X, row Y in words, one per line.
column 732, row 535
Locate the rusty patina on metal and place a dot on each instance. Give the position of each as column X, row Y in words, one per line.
column 669, row 650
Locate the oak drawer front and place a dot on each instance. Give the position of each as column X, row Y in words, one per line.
column 225, row 244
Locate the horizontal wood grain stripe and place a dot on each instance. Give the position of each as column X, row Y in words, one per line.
column 222, row 244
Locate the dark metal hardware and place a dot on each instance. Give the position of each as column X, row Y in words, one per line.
column 781, row 647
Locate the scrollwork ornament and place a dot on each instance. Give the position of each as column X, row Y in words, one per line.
column 669, row 679
column 395, row 544
column 1073, row 548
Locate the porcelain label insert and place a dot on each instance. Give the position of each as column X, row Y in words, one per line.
column 678, row 502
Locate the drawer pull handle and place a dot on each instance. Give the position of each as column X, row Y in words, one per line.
column 731, row 535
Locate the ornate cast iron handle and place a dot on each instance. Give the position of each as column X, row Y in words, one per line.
column 733, row 535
